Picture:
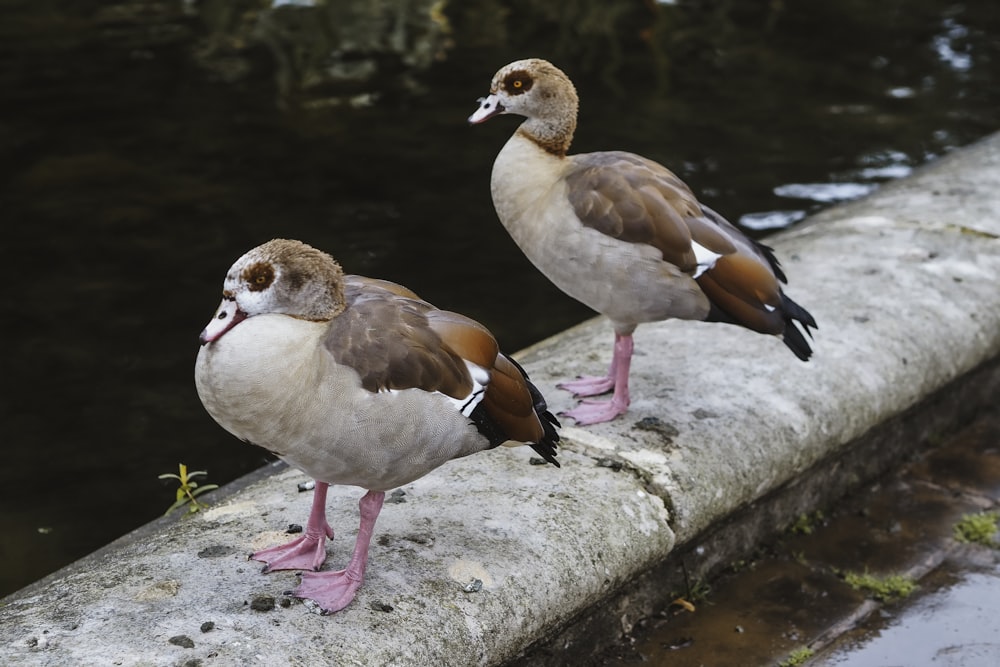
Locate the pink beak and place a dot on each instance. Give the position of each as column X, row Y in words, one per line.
column 227, row 317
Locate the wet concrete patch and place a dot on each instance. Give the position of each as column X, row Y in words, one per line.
column 952, row 622
column 792, row 595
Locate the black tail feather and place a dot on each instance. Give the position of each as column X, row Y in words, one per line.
column 546, row 448
column 795, row 316
column 768, row 253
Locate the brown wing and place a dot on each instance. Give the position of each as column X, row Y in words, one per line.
column 636, row 200
column 386, row 336
column 395, row 341
column 639, row 201
column 395, row 288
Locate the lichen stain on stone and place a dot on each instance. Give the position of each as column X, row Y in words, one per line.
column 161, row 590
column 228, row 510
column 267, row 538
column 464, row 571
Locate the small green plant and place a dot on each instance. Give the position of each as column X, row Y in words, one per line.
column 700, row 591
column 881, row 588
column 806, row 523
column 189, row 490
column 797, row 657
column 980, row 528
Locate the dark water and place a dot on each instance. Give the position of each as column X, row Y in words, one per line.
column 792, row 592
column 144, row 146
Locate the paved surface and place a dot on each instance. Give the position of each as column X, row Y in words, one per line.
column 904, row 287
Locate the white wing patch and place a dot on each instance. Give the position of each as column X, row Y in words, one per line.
column 480, row 378
column 706, row 258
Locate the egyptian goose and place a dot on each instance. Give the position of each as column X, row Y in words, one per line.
column 354, row 381
column 622, row 234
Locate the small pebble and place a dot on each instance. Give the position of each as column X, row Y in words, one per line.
column 473, row 586
column 377, row 605
column 262, row 603
column 182, row 640
column 306, row 486
column 609, row 463
column 207, row 626
column 216, row 551
column 537, row 461
column 293, row 528
column 396, row 496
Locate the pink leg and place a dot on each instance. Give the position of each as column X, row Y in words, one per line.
column 593, row 385
column 334, row 590
column 308, row 551
column 593, row 412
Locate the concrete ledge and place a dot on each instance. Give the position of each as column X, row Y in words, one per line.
column 905, row 285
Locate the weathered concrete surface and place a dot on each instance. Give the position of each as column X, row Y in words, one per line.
column 905, row 286
column 527, row 532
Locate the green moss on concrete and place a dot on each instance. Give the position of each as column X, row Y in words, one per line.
column 881, row 588
column 797, row 657
column 979, row 528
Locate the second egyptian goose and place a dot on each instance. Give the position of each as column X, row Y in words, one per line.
column 354, row 381
column 622, row 234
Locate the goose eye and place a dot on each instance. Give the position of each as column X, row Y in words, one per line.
column 517, row 83
column 259, row 276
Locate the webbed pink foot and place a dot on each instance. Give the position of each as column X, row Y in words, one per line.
column 308, row 551
column 333, row 591
column 594, row 412
column 304, row 553
column 589, row 411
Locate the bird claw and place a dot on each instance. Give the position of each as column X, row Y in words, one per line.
column 588, row 385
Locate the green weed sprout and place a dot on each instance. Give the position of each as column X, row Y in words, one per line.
column 189, row 490
column 979, row 528
column 797, row 657
column 881, row 588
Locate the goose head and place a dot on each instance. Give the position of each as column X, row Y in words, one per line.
column 539, row 91
column 279, row 277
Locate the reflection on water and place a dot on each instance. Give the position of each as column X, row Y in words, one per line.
column 759, row 222
column 825, row 193
column 146, row 145
column 954, row 626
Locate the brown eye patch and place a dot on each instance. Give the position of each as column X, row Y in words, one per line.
column 516, row 83
column 259, row 276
